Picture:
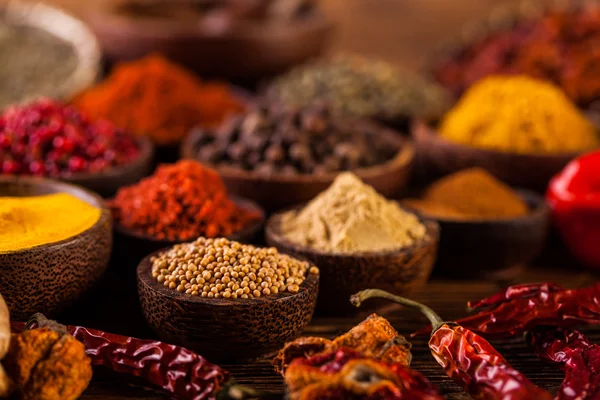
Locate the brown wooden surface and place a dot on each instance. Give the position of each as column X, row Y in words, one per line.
column 402, row 31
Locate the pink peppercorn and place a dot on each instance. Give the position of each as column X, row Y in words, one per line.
column 48, row 138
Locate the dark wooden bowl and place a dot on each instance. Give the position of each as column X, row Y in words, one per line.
column 399, row 271
column 50, row 277
column 225, row 330
column 493, row 249
column 237, row 50
column 106, row 183
column 132, row 246
column 280, row 191
column 67, row 28
column 437, row 156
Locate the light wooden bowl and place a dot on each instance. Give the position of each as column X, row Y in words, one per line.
column 50, row 277
column 65, row 27
column 223, row 329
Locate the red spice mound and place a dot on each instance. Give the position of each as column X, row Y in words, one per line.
column 158, row 98
column 48, row 138
column 562, row 47
column 180, row 202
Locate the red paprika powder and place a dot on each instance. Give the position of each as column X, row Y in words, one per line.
column 180, row 202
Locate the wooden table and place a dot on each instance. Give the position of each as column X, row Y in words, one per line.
column 404, row 32
column 447, row 297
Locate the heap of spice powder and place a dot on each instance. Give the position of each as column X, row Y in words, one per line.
column 219, row 268
column 469, row 194
column 34, row 63
column 155, row 97
column 349, row 217
column 32, row 221
column 360, row 87
column 180, row 202
column 48, row 138
column 560, row 47
column 519, row 114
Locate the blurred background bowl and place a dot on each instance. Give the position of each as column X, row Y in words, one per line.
column 106, row 183
column 437, row 157
column 222, row 47
column 492, row 248
column 67, row 28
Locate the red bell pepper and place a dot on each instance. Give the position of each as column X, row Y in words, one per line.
column 574, row 197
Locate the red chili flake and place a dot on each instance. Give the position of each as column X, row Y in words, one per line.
column 180, row 202
column 47, row 138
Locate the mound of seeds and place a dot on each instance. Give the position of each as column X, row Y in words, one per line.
column 219, row 268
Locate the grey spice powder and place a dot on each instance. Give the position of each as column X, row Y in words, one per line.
column 33, row 63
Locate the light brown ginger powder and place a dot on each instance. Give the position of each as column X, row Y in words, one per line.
column 350, row 217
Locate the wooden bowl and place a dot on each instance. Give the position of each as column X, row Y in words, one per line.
column 399, row 271
column 221, row 329
column 230, row 49
column 50, row 277
column 132, row 246
column 67, row 28
column 281, row 191
column 437, row 157
column 107, row 182
column 493, row 249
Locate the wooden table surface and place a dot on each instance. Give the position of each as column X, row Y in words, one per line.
column 404, row 32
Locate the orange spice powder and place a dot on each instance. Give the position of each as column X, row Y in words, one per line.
column 160, row 99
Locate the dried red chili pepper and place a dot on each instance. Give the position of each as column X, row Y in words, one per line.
column 466, row 357
column 520, row 308
column 177, row 370
column 348, row 374
column 575, row 355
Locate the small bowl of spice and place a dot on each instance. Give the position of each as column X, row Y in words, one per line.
column 280, row 156
column 489, row 229
column 44, row 52
column 227, row 300
column 355, row 86
column 520, row 129
column 179, row 203
column 156, row 98
column 48, row 138
column 236, row 40
column 55, row 243
column 359, row 240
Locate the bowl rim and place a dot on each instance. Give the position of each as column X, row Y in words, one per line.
column 536, row 203
column 105, row 13
column 274, row 235
column 424, row 130
column 144, row 268
column 403, row 159
column 146, row 154
column 239, row 201
column 82, row 194
column 61, row 24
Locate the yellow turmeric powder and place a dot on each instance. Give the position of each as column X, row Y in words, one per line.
column 32, row 221
column 519, row 114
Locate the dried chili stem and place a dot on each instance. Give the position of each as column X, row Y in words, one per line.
column 358, row 298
